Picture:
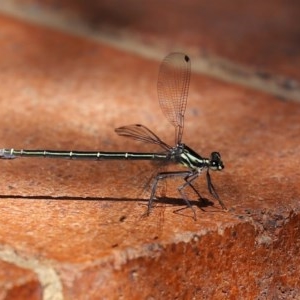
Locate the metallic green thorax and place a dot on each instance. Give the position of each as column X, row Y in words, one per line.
column 189, row 158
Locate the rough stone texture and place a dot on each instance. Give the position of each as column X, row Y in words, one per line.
column 83, row 220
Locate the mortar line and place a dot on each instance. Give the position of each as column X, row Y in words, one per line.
column 50, row 281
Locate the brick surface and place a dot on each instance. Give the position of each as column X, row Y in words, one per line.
column 17, row 283
column 261, row 35
column 84, row 218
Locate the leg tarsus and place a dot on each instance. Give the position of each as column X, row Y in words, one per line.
column 213, row 191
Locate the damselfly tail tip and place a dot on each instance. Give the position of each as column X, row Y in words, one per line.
column 6, row 153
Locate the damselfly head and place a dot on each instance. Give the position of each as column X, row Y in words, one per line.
column 216, row 163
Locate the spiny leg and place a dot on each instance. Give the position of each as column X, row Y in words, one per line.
column 213, row 191
column 162, row 176
column 188, row 182
column 189, row 179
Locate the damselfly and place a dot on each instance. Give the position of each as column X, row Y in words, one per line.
column 172, row 86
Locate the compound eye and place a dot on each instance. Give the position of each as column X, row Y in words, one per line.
column 214, row 165
column 216, row 162
column 215, row 156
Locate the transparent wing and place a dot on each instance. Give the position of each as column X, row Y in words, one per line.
column 172, row 87
column 141, row 133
